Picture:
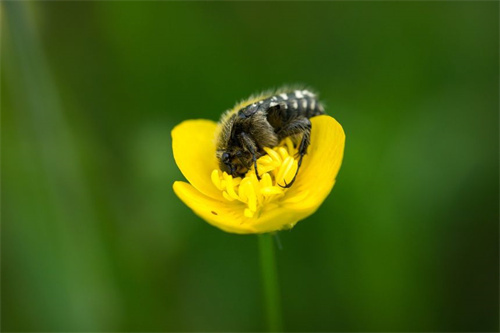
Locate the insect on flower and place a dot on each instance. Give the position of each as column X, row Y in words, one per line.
column 271, row 117
column 241, row 170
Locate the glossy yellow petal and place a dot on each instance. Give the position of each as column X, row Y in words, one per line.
column 319, row 168
column 193, row 145
column 221, row 214
column 278, row 218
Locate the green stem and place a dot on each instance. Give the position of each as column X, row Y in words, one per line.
column 270, row 283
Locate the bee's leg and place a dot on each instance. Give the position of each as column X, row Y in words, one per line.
column 250, row 146
column 297, row 126
column 255, row 166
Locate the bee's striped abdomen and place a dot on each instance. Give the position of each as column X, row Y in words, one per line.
column 290, row 105
column 296, row 103
column 303, row 102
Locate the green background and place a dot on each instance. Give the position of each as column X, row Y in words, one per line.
column 94, row 239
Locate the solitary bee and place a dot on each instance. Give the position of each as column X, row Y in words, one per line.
column 264, row 121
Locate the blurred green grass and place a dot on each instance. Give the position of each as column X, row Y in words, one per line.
column 93, row 238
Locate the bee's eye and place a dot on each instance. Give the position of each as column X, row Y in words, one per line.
column 225, row 157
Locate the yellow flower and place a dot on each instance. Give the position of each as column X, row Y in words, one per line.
column 248, row 205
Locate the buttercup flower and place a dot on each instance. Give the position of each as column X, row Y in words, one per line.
column 249, row 205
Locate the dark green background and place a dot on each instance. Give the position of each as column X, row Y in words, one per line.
column 93, row 238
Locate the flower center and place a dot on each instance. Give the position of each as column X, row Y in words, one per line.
column 276, row 168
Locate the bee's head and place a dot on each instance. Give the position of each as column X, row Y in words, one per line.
column 235, row 162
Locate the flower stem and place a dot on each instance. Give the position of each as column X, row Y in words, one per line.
column 270, row 283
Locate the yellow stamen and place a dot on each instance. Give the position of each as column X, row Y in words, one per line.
column 273, row 154
column 286, row 171
column 276, row 169
column 283, row 152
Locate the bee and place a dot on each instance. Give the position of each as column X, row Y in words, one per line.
column 263, row 121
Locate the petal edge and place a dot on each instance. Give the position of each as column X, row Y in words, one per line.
column 217, row 213
column 194, row 153
column 321, row 165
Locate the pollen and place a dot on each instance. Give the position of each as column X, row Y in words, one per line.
column 276, row 170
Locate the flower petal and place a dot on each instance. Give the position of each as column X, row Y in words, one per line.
column 320, row 166
column 278, row 218
column 193, row 145
column 221, row 214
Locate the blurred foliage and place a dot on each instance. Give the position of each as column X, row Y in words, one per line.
column 93, row 238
